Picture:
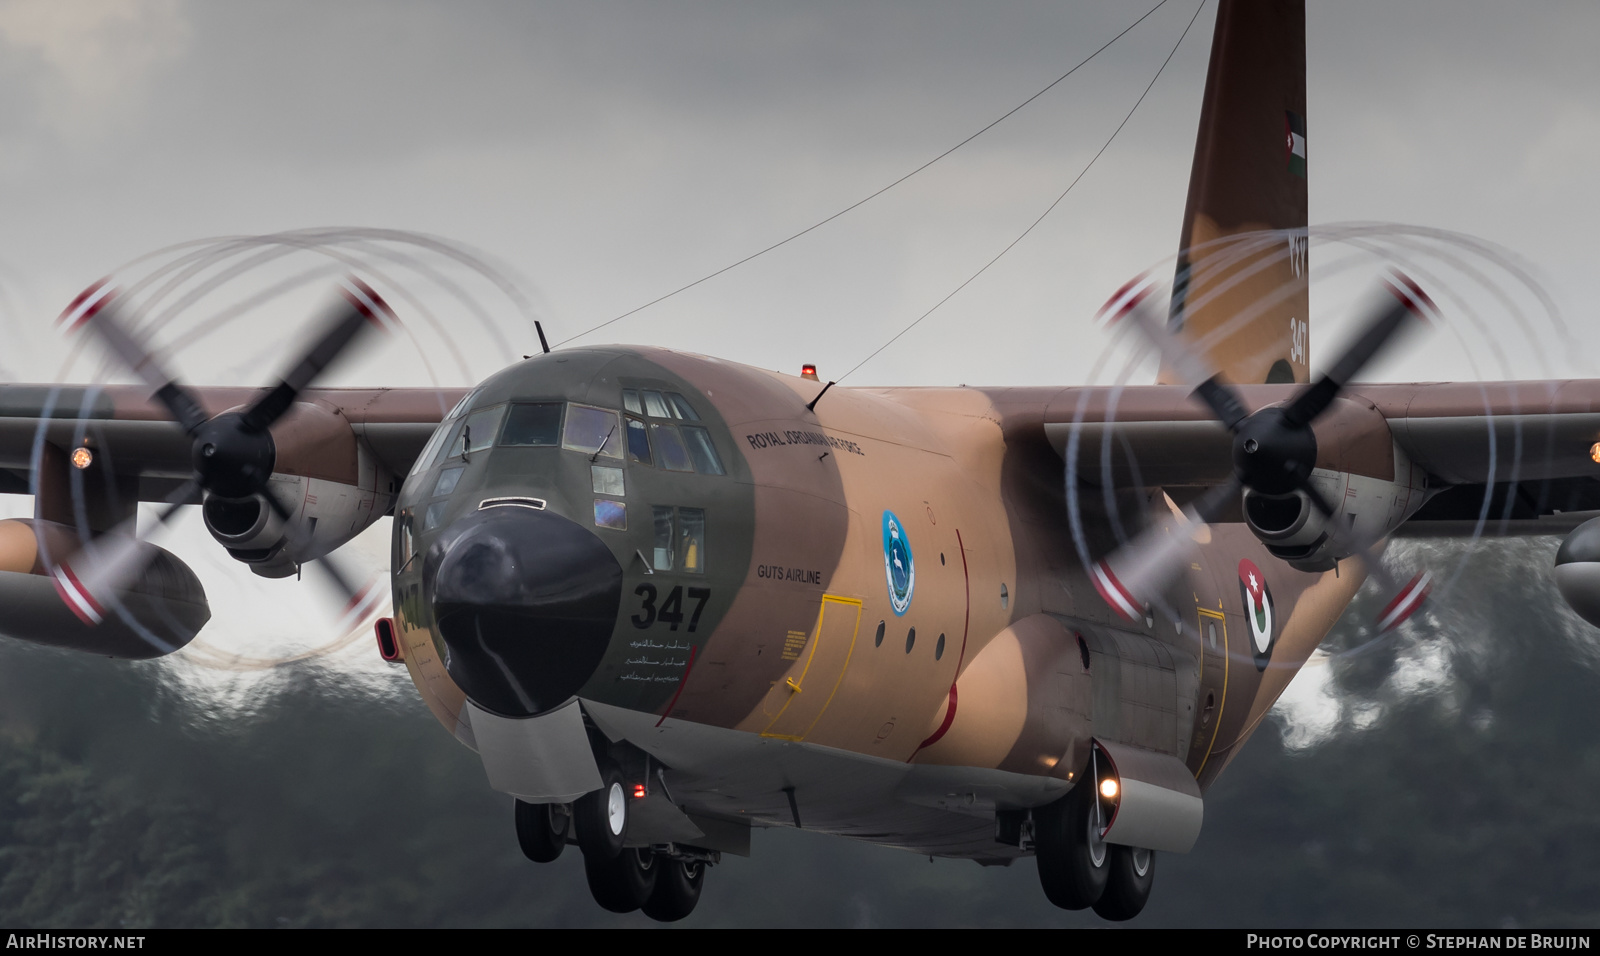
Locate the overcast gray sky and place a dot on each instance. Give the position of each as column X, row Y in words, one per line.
column 611, row 152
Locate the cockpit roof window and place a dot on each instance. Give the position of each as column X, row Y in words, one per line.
column 655, row 404
column 533, row 424
column 638, row 442
column 463, row 405
column 593, row 431
column 682, row 409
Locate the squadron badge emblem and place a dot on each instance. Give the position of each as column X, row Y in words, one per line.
column 898, row 567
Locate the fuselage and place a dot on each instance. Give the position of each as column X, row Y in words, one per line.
column 888, row 574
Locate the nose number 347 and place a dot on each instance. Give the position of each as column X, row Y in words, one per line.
column 671, row 610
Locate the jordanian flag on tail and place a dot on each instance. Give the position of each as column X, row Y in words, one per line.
column 1294, row 133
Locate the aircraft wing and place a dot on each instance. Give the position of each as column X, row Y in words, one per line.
column 1517, row 455
column 134, row 434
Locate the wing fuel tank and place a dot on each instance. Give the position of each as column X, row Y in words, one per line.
column 160, row 612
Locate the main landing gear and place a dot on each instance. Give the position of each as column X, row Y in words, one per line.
column 1078, row 869
column 663, row 881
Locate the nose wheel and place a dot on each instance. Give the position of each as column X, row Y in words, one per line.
column 542, row 829
column 663, row 882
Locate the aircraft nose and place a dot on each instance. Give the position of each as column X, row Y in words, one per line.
column 525, row 602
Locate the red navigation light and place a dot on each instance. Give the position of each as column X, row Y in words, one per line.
column 809, row 371
column 638, row 791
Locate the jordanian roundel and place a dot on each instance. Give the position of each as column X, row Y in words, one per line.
column 1257, row 610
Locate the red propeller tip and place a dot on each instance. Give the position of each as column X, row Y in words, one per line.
column 1407, row 291
column 368, row 302
column 76, row 596
column 88, row 302
column 1114, row 594
column 1133, row 292
column 1406, row 603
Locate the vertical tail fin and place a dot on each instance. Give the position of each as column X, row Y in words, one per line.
column 1240, row 289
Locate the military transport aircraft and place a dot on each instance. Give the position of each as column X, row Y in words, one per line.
column 668, row 598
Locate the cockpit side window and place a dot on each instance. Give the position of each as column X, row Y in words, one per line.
column 432, row 447
column 451, row 445
column 533, row 424
column 702, row 451
column 662, row 518
column 680, row 539
column 592, row 431
column 480, row 430
column 448, row 479
column 669, row 444
column 691, row 540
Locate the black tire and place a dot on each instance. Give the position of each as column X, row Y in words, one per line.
column 542, row 830
column 623, row 883
column 1133, row 872
column 600, row 818
column 1073, row 867
column 677, row 890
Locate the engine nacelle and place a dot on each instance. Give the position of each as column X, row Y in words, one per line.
column 1364, row 510
column 1577, row 570
column 161, row 611
column 336, row 490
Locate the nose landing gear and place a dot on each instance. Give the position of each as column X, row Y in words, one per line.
column 663, row 880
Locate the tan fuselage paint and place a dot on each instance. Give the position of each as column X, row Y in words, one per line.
column 973, row 481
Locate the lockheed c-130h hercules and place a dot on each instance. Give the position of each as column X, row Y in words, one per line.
column 668, row 598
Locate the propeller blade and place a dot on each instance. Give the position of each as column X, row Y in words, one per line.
column 87, row 580
column 361, row 307
column 358, row 599
column 96, row 309
column 1409, row 301
column 1138, row 572
column 1137, row 304
column 1406, row 600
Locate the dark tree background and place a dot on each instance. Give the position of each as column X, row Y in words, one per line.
column 1457, row 788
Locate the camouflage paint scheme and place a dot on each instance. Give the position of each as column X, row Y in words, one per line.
column 795, row 562
column 800, row 677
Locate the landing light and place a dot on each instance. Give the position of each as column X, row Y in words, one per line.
column 83, row 457
column 1594, row 452
column 1108, row 789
